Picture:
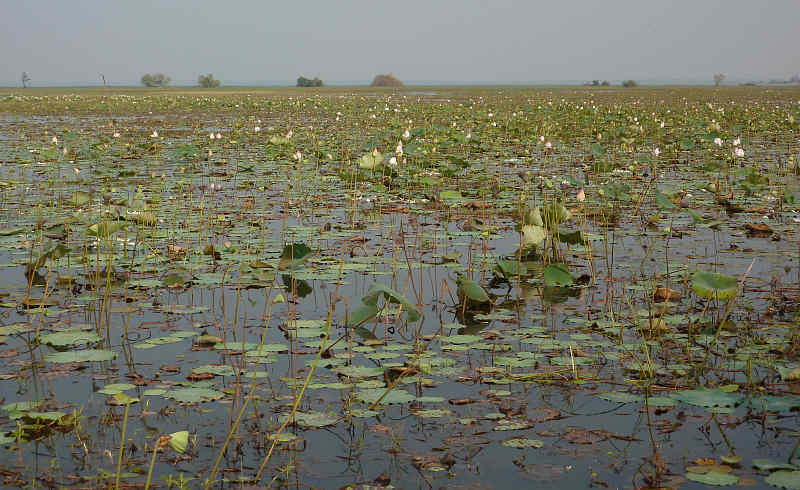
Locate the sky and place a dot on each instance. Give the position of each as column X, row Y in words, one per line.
column 61, row 42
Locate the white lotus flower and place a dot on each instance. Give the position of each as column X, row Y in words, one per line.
column 718, row 141
column 662, row 124
column 656, row 151
column 469, row 135
column 737, row 142
column 289, row 134
column 54, row 140
column 155, row 134
column 116, row 135
column 219, row 136
column 739, row 152
column 406, row 134
column 399, row 149
column 491, row 115
column 393, row 162
column 541, row 138
column 298, row 155
column 257, row 129
column 211, row 136
column 581, row 195
column 548, row 145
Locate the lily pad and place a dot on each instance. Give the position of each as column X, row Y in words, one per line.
column 87, row 355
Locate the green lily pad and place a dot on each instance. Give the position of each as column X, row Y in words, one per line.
column 87, row 355
column 193, row 395
column 393, row 397
column 70, row 337
column 714, row 478
column 521, row 443
column 784, row 479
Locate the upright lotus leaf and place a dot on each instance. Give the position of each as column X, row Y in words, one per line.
column 11, row 231
column 557, row 275
column 664, row 202
column 554, row 214
column 392, row 296
column 572, row 238
column 510, row 269
column 714, row 285
column 450, row 196
column 53, row 253
column 533, row 217
column 294, row 255
column 471, row 290
column 370, row 160
column 79, row 198
column 533, row 236
column 105, row 229
column 179, row 440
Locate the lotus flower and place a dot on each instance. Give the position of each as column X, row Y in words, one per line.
column 289, row 134
column 116, row 135
column 155, row 134
column 737, row 142
column 406, row 134
column 739, row 152
column 393, row 162
column 219, row 136
column 54, row 140
column 399, row 149
column 718, row 141
column 656, row 151
column 297, row 155
column 257, row 129
column 581, row 195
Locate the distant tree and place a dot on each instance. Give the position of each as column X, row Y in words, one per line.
column 309, row 82
column 629, row 83
column 25, row 79
column 386, row 80
column 795, row 79
column 208, row 81
column 605, row 83
column 155, row 80
column 595, row 83
column 718, row 78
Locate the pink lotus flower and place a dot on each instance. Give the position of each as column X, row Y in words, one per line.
column 739, row 152
column 581, row 195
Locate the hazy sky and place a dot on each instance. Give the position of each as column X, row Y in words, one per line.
column 58, row 41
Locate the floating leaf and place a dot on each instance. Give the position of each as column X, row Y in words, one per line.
column 395, row 396
column 521, row 443
column 69, row 338
column 193, row 395
column 87, row 355
column 714, row 478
